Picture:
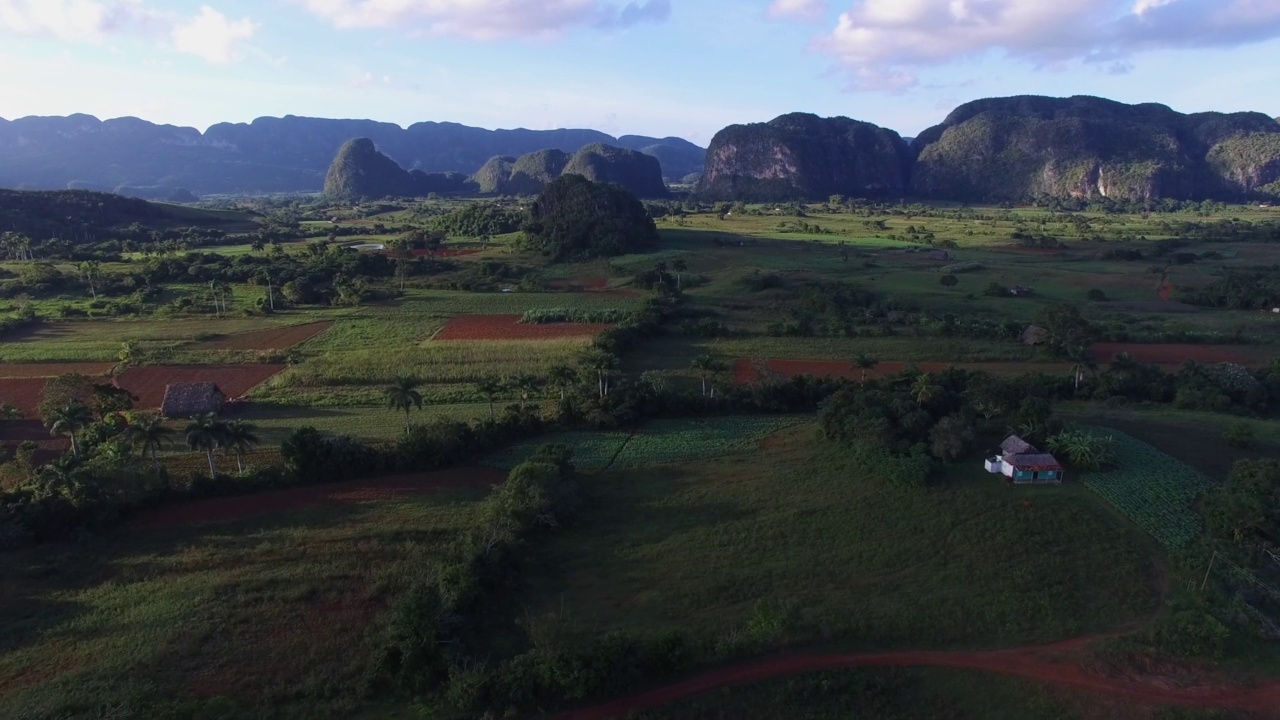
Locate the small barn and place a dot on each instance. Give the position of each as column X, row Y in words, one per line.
column 184, row 400
column 1023, row 464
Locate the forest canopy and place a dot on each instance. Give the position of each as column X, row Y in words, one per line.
column 575, row 218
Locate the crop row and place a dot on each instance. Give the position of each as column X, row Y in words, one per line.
column 1154, row 490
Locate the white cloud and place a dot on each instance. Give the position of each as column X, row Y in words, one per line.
column 884, row 42
column 210, row 35
column 486, row 19
column 803, row 9
column 82, row 21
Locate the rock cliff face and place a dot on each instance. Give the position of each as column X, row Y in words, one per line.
column 639, row 173
column 287, row 154
column 1022, row 147
column 361, row 171
column 804, row 156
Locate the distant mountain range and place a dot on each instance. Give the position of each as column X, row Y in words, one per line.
column 1004, row 149
column 289, row 154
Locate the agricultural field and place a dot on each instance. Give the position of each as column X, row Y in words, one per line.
column 1152, row 489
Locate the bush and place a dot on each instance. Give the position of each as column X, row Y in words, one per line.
column 1239, row 435
column 949, row 281
column 1097, row 295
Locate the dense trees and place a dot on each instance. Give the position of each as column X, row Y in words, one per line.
column 575, row 218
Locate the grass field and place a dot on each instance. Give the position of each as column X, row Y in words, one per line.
column 853, row 560
column 262, row 613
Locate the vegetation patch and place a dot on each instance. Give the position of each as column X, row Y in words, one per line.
column 1153, row 490
column 271, row 339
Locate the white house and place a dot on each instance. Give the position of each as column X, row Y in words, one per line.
column 1023, row 464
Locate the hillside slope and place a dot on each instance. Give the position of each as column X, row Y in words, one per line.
column 639, row 173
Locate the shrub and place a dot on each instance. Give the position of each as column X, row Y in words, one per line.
column 949, row 281
column 1083, row 450
column 1239, row 435
column 1097, row 295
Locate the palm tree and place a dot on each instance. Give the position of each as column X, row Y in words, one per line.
column 866, row 362
column 403, row 395
column 603, row 363
column 149, row 432
column 490, row 387
column 526, row 385
column 679, row 265
column 207, row 433
column 241, row 437
column 923, row 389
column 562, row 377
column 707, row 367
column 68, row 420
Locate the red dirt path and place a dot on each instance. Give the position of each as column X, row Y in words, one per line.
column 148, row 381
column 344, row 493
column 1034, row 663
column 509, row 327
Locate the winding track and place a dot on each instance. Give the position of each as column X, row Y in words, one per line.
column 1031, row 663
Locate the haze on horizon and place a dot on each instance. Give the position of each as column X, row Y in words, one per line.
column 650, row 67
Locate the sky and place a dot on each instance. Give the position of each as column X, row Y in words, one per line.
column 650, row 67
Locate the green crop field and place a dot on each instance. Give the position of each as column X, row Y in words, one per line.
column 1154, row 490
column 699, row 545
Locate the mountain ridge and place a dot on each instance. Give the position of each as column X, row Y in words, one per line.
column 269, row 154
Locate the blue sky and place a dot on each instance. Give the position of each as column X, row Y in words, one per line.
column 652, row 67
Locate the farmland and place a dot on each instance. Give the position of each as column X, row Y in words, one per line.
column 1154, row 490
column 726, row 519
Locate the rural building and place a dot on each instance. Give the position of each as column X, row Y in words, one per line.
column 184, row 400
column 1023, row 464
column 1021, row 291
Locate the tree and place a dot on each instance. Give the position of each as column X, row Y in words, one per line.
column 241, row 437
column 62, row 390
column 69, row 420
column 680, row 266
column 402, row 251
column 603, row 363
column 490, row 388
column 708, row 367
column 949, row 281
column 951, row 438
column 866, row 363
column 403, row 395
column 206, row 432
column 89, row 272
column 1066, row 333
column 109, row 399
column 526, row 385
column 148, row 432
column 562, row 377
column 923, row 389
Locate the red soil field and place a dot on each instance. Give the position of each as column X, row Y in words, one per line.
column 23, row 393
column 148, row 381
column 50, row 370
column 580, row 284
column 745, row 371
column 271, row 339
column 356, row 491
column 1176, row 354
column 509, row 327
column 1034, row 663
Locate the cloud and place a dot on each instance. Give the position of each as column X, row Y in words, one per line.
column 884, row 43
column 802, row 9
column 209, row 34
column 486, row 19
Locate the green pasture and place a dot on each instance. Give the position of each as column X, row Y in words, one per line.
column 274, row 611
column 369, row 422
column 801, row 529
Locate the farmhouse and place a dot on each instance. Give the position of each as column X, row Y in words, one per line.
column 1023, row 464
column 184, row 400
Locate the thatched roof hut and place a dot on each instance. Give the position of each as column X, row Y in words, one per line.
column 184, row 400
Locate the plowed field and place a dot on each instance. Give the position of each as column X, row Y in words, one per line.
column 747, row 371
column 1176, row 354
column 148, row 381
column 356, row 491
column 271, row 339
column 50, row 370
column 23, row 393
column 509, row 327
